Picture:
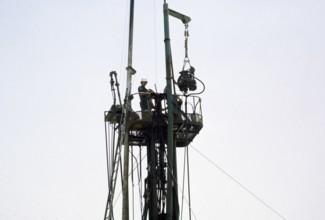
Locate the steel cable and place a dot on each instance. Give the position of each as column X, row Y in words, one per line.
column 238, row 183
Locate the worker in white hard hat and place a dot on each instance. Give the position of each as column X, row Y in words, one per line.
column 144, row 95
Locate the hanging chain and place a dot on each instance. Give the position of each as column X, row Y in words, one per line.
column 186, row 34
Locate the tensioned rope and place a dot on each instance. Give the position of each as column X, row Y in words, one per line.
column 107, row 157
column 179, row 187
column 139, row 178
column 238, row 183
column 186, row 170
column 132, row 180
column 137, row 167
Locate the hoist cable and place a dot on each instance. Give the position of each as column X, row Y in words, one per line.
column 188, row 165
column 184, row 165
column 179, row 187
column 132, row 180
column 137, row 167
column 107, row 156
column 140, row 179
column 188, row 182
column 120, row 192
column 111, row 155
column 110, row 165
column 112, row 149
column 238, row 183
column 111, row 170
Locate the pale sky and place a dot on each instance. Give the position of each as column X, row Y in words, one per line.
column 263, row 65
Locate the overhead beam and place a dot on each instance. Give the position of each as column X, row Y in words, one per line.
column 185, row 19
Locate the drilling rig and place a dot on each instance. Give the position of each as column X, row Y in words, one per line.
column 171, row 121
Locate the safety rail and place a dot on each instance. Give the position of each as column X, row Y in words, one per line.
column 188, row 119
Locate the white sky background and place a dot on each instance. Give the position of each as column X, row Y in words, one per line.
column 263, row 64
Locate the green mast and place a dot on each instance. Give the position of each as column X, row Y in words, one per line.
column 170, row 139
column 127, row 108
column 172, row 210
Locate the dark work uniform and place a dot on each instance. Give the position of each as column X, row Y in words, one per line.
column 143, row 98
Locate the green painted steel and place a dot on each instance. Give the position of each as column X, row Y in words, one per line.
column 125, row 132
column 170, row 139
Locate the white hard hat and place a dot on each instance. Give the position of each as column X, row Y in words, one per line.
column 144, row 80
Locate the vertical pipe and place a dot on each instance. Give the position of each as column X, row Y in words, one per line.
column 130, row 51
column 127, row 106
column 170, row 137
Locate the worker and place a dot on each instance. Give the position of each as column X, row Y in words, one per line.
column 144, row 95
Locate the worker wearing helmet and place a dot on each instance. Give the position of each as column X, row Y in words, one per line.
column 144, row 95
